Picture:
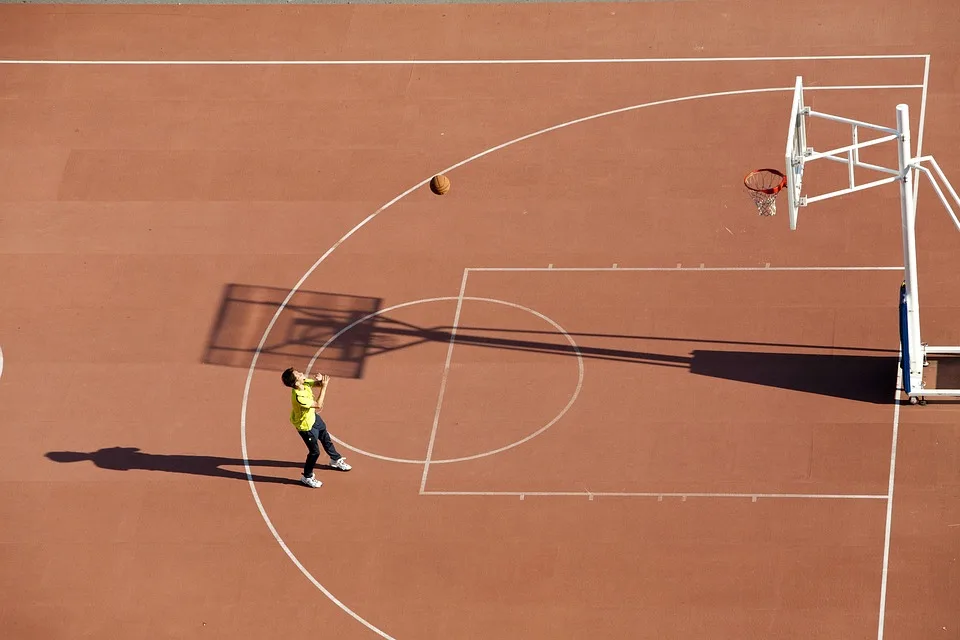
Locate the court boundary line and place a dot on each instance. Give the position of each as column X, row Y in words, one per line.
column 682, row 269
column 889, row 514
column 661, row 494
column 482, row 61
column 895, row 436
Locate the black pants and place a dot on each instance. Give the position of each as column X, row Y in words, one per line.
column 317, row 434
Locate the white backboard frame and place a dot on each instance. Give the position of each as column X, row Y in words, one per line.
column 796, row 152
column 914, row 352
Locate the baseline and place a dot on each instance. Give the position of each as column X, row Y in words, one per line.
column 904, row 56
column 889, row 516
column 660, row 495
column 681, row 268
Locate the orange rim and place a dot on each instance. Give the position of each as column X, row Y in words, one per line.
column 768, row 181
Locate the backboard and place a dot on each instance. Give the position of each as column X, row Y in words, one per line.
column 796, row 153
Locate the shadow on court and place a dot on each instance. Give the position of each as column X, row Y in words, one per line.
column 128, row 458
column 309, row 320
column 351, row 330
column 855, row 377
column 865, row 375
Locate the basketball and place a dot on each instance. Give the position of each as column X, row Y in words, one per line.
column 440, row 184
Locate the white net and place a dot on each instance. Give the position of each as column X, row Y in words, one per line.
column 766, row 203
column 763, row 186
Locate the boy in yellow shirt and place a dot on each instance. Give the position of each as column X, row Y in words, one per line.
column 309, row 424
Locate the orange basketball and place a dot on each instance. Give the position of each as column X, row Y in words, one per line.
column 440, row 184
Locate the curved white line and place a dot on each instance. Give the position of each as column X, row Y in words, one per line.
column 1, row 363
column 360, row 225
column 484, row 454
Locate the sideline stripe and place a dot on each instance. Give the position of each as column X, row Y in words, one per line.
column 659, row 494
column 905, row 56
column 681, row 269
column 887, row 526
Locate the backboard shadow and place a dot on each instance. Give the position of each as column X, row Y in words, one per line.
column 308, row 321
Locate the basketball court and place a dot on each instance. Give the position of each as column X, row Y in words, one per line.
column 587, row 393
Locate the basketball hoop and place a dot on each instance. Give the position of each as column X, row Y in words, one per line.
column 764, row 185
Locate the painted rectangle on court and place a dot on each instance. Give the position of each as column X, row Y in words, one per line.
column 630, row 381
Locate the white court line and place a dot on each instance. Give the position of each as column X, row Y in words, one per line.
column 514, row 305
column 887, row 527
column 896, row 407
column 443, row 381
column 675, row 269
column 660, row 494
column 458, row 62
column 851, row 87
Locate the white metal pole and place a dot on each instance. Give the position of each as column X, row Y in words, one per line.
column 908, row 222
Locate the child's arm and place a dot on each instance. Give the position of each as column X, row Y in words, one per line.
column 324, row 381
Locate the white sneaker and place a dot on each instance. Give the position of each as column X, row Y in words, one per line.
column 311, row 482
column 340, row 464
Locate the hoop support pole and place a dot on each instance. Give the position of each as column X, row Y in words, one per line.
column 908, row 217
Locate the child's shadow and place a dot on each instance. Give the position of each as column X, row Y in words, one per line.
column 126, row 458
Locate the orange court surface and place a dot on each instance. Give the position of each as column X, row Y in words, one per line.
column 588, row 393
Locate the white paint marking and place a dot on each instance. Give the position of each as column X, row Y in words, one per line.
column 560, row 330
column 252, row 63
column 1, row 363
column 887, row 527
column 680, row 268
column 659, row 495
column 443, row 380
column 614, row 265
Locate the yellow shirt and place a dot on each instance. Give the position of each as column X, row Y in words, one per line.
column 303, row 413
